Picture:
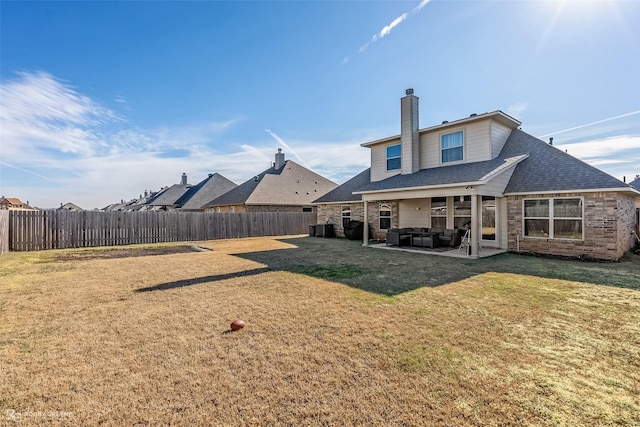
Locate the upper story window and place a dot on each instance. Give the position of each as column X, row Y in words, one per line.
column 452, row 147
column 393, row 157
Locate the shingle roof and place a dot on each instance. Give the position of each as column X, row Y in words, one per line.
column 447, row 175
column 170, row 196
column 344, row 192
column 550, row 169
column 292, row 184
column 635, row 183
column 539, row 167
column 208, row 189
column 241, row 193
column 11, row 200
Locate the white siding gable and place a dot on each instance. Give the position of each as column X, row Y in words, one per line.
column 477, row 147
column 379, row 161
column 499, row 135
column 484, row 138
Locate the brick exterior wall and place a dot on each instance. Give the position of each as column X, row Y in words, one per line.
column 332, row 213
column 607, row 224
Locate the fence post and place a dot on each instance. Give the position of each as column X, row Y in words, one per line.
column 4, row 231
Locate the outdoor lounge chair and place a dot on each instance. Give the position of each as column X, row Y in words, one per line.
column 398, row 237
column 450, row 237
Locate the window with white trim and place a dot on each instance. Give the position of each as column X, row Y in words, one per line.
column 488, row 218
column 384, row 213
column 346, row 215
column 554, row 218
column 452, row 147
column 462, row 212
column 439, row 212
column 394, row 157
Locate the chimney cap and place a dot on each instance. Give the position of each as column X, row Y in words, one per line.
column 409, row 91
column 279, row 150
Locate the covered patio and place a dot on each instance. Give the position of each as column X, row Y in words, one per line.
column 462, row 208
column 483, row 252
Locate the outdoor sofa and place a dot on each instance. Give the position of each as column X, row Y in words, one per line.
column 423, row 237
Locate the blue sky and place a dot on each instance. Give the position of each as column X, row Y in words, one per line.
column 101, row 101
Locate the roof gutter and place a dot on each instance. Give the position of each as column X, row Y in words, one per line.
column 589, row 190
column 422, row 187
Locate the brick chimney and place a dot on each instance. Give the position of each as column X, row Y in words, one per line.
column 409, row 137
column 184, row 179
column 279, row 159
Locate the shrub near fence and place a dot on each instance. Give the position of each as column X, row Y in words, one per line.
column 38, row 230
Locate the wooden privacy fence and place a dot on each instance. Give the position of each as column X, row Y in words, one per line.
column 38, row 230
column 4, row 231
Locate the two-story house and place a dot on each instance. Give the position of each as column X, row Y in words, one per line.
column 482, row 173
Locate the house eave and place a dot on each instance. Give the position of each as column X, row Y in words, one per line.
column 338, row 202
column 422, row 187
column 587, row 190
column 379, row 141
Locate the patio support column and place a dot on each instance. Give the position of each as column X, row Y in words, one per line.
column 475, row 225
column 365, row 230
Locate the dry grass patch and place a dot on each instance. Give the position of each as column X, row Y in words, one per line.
column 144, row 340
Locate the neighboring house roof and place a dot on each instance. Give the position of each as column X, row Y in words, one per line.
column 170, row 196
column 549, row 169
column 636, row 183
column 212, row 187
column 114, row 207
column 69, row 207
column 344, row 192
column 11, row 201
column 289, row 185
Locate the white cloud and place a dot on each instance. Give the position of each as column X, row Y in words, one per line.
column 386, row 30
column 619, row 156
column 39, row 111
column 61, row 146
column 516, row 110
column 617, row 146
column 597, row 122
column 282, row 142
